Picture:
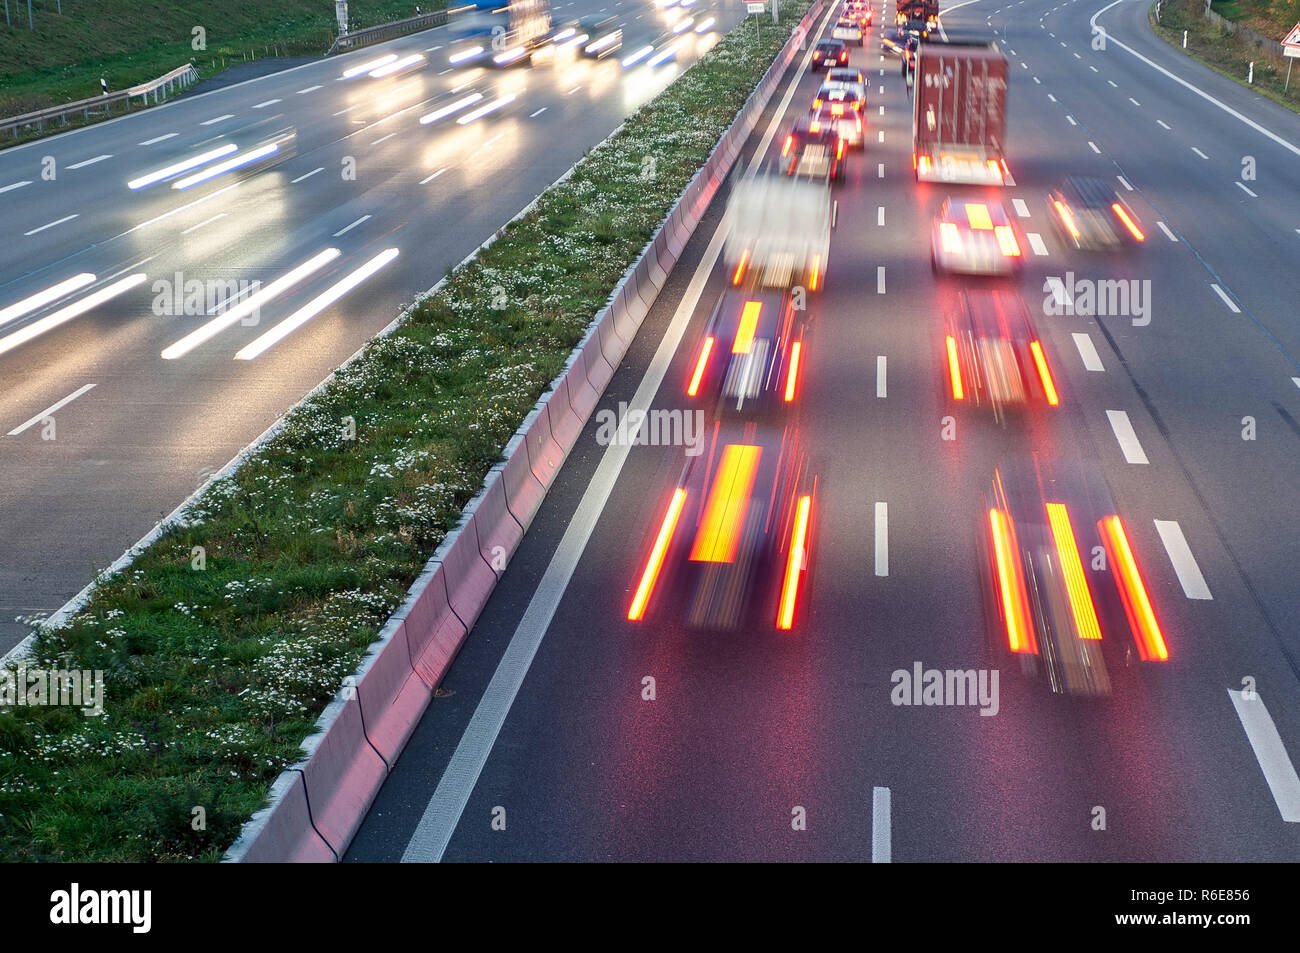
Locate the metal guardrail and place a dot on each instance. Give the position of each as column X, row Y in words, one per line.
column 386, row 31
column 159, row 88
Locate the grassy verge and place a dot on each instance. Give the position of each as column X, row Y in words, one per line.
column 131, row 41
column 213, row 677
column 1223, row 53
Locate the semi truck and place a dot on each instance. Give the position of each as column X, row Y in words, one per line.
column 498, row 32
column 780, row 235
column 925, row 11
column 959, row 114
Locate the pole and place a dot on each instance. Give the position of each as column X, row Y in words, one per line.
column 1289, row 61
column 31, row 24
column 1184, row 39
column 1250, row 74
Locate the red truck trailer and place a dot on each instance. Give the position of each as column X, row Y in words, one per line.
column 959, row 114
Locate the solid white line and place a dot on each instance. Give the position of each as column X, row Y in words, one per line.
column 306, row 176
column 880, row 170
column 880, row 279
column 1247, row 191
column 432, row 177
column 1087, row 351
column 1184, row 563
column 213, row 122
column 1168, row 234
column 1036, row 243
column 536, row 114
column 880, row 826
column 383, row 139
column 880, row 375
column 882, row 539
column 1092, row 145
column 195, row 228
column 1162, row 124
column 344, row 231
column 1177, row 79
column 1270, row 752
column 1127, row 437
column 1199, row 152
column 48, row 411
column 880, row 215
column 309, row 89
column 83, row 164
column 269, row 102
column 66, row 218
column 16, row 185
column 1021, row 208
column 157, row 139
column 1226, row 300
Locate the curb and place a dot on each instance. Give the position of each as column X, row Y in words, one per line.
column 362, row 732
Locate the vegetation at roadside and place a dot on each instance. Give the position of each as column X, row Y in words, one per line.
column 214, row 676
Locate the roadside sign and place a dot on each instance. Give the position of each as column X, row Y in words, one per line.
column 755, row 7
column 1291, row 45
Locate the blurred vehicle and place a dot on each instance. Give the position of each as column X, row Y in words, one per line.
column 829, row 53
column 780, row 235
column 848, row 30
column 902, row 43
column 959, row 114
column 850, row 96
column 847, row 76
column 733, row 548
column 1044, row 529
column 595, row 37
column 993, row 355
column 837, row 112
column 860, row 11
column 498, row 33
column 974, row 237
column 814, row 149
column 1089, row 214
column 926, row 12
column 749, row 356
column 260, row 147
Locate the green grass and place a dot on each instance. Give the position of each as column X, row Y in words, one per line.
column 130, row 41
column 1223, row 53
column 215, row 676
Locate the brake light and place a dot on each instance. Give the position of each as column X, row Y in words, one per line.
column 993, row 169
column 1007, row 241
column 924, row 165
column 815, row 126
column 1011, row 583
column 816, row 270
column 740, row 268
column 796, row 563
column 1005, row 170
column 844, row 56
column 748, row 324
column 954, row 370
column 1043, row 373
column 1141, row 617
column 656, row 560
column 978, row 216
column 949, row 237
column 859, row 121
column 728, row 503
column 694, row 387
column 817, row 54
column 1067, row 218
column 839, row 148
column 794, row 371
column 837, row 109
column 1128, row 222
column 1076, row 584
column 789, row 141
column 817, row 103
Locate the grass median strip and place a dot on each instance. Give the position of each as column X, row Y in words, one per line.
column 224, row 640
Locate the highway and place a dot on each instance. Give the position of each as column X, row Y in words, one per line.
column 548, row 743
column 141, row 413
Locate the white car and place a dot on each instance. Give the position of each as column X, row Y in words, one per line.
column 849, row 32
column 848, row 125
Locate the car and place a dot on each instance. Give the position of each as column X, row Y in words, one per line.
column 814, row 149
column 993, row 356
column 830, row 53
column 851, row 96
column 974, row 237
column 849, row 79
column 849, row 30
column 842, row 110
column 902, row 42
column 733, row 550
column 1089, row 214
column 604, row 36
column 1062, row 588
column 749, row 355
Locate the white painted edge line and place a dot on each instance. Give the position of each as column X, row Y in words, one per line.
column 86, row 162
column 1270, row 752
column 1126, row 436
column 1168, row 234
column 882, row 538
column 1036, row 243
column 66, row 218
column 1226, row 300
column 307, row 175
column 58, row 405
column 345, row 230
column 1021, row 208
column 1184, row 563
column 881, row 834
column 1087, row 351
column 157, row 139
